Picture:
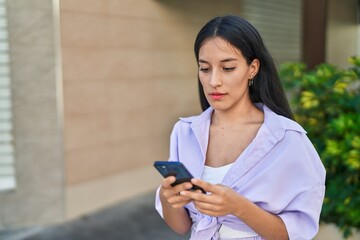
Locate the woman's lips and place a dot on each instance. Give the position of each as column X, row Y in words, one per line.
column 217, row 95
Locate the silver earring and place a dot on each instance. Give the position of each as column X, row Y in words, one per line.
column 251, row 82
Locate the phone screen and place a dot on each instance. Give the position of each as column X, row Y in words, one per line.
column 176, row 169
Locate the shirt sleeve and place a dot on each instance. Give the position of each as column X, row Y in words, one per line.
column 158, row 205
column 304, row 189
column 304, row 211
column 173, row 157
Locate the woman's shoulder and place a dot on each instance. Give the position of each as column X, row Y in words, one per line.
column 290, row 124
column 295, row 143
column 279, row 125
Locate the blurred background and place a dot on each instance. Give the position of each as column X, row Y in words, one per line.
column 90, row 90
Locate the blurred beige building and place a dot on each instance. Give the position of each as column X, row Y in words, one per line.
column 96, row 86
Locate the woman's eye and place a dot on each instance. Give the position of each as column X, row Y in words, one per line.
column 204, row 70
column 229, row 69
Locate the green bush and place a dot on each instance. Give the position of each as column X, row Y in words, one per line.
column 326, row 102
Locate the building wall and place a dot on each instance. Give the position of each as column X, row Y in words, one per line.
column 38, row 197
column 342, row 35
column 331, row 232
column 279, row 23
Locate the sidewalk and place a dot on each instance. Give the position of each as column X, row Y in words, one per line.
column 135, row 219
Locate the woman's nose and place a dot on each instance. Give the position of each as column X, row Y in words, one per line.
column 215, row 79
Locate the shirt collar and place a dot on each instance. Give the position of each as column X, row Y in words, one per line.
column 200, row 119
column 276, row 123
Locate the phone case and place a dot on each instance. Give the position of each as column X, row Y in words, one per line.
column 176, row 169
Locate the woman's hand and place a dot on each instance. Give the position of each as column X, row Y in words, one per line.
column 220, row 200
column 173, row 204
column 170, row 196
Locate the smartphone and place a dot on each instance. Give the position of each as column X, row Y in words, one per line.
column 178, row 170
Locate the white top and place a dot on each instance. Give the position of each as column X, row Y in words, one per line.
column 215, row 175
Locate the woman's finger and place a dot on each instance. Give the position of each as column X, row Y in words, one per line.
column 208, row 187
column 166, row 183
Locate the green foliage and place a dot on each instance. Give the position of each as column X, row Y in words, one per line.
column 326, row 102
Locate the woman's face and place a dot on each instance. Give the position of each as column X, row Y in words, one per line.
column 225, row 74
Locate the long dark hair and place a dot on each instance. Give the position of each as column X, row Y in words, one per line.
column 266, row 87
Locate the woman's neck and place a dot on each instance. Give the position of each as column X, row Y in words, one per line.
column 245, row 114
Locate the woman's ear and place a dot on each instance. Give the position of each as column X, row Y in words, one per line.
column 254, row 68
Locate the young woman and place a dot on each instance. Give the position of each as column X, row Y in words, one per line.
column 262, row 175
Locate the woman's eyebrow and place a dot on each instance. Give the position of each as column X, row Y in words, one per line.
column 224, row 60
column 202, row 61
column 228, row 60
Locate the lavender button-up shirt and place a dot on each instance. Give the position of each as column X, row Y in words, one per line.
column 280, row 172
